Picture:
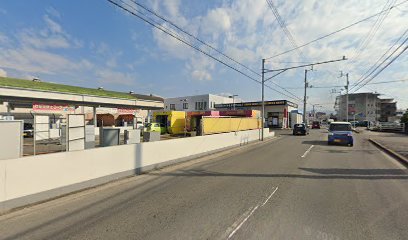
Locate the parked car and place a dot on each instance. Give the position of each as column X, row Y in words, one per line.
column 139, row 125
column 156, row 127
column 341, row 133
column 316, row 125
column 28, row 130
column 301, row 129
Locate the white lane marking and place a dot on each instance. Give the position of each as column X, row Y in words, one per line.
column 307, row 151
column 270, row 196
column 249, row 214
column 242, row 222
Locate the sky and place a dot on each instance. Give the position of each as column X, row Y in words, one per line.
column 94, row 43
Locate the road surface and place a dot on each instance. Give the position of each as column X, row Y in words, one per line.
column 293, row 187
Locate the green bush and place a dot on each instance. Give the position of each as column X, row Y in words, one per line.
column 404, row 118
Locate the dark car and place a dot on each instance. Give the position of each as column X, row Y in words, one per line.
column 316, row 125
column 300, row 129
column 28, row 130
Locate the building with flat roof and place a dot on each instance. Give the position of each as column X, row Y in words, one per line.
column 388, row 110
column 362, row 106
column 278, row 113
column 35, row 96
column 196, row 102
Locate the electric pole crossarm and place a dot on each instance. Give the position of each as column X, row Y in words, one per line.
column 305, row 65
column 269, row 78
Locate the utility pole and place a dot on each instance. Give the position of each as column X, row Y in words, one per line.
column 304, row 99
column 347, row 97
column 281, row 70
column 314, row 111
column 263, row 100
column 347, row 94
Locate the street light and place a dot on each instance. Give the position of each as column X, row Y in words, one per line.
column 233, row 100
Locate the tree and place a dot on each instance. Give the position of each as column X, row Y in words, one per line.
column 404, row 118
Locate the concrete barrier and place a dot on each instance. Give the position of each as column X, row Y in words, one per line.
column 36, row 178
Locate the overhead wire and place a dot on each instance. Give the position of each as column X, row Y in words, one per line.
column 383, row 68
column 337, row 31
column 371, row 33
column 158, row 26
column 377, row 64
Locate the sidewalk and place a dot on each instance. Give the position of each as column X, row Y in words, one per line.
column 394, row 141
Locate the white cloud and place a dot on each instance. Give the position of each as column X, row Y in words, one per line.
column 53, row 12
column 201, row 75
column 247, row 31
column 109, row 76
column 3, row 73
column 216, row 22
column 52, row 25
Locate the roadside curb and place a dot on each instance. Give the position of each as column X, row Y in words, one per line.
column 356, row 131
column 394, row 154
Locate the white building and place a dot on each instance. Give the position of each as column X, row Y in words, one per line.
column 365, row 106
column 196, row 103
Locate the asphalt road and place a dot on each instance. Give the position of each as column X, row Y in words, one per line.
column 282, row 189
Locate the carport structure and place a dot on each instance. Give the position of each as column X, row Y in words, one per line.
column 28, row 93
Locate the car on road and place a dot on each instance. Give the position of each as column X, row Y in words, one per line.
column 340, row 133
column 28, row 130
column 300, row 129
column 156, row 127
column 316, row 125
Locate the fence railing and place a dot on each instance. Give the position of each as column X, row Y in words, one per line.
column 389, row 126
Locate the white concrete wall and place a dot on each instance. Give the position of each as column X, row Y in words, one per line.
column 26, row 176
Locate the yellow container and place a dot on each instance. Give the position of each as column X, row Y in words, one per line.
column 173, row 120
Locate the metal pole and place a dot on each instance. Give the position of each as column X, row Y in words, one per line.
column 34, row 135
column 314, row 113
column 347, row 97
column 185, row 123
column 233, row 101
column 304, row 99
column 263, row 100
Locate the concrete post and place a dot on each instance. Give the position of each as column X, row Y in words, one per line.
column 95, row 122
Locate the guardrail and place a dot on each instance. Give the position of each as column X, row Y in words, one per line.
column 388, row 126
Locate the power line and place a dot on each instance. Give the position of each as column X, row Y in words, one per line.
column 373, row 68
column 340, row 86
column 157, row 25
column 370, row 35
column 337, row 31
column 383, row 68
column 284, row 27
column 196, row 38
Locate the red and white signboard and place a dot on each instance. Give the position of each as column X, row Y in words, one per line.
column 127, row 111
column 44, row 107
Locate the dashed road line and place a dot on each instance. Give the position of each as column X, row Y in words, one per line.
column 238, row 224
column 307, row 151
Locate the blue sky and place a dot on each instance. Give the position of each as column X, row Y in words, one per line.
column 93, row 43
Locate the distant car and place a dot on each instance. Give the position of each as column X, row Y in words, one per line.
column 156, row 127
column 139, row 125
column 316, row 125
column 341, row 133
column 300, row 129
column 28, row 130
